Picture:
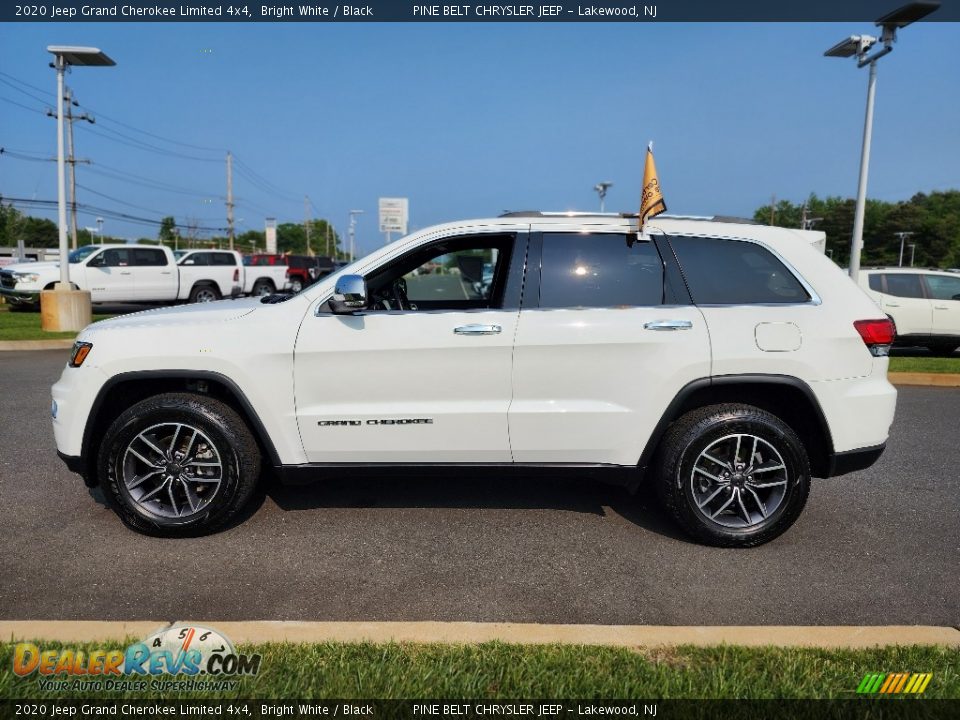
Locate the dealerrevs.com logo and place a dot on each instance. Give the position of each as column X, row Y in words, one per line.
column 181, row 657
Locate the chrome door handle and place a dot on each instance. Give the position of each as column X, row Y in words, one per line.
column 890, row 304
column 477, row 329
column 940, row 307
column 125, row 273
column 668, row 325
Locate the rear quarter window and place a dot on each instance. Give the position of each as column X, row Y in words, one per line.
column 735, row 272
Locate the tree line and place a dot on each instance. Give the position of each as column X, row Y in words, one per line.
column 934, row 220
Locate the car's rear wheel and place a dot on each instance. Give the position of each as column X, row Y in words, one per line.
column 263, row 287
column 178, row 464
column 296, row 285
column 204, row 293
column 733, row 475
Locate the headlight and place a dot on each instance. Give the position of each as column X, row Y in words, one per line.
column 80, row 352
column 27, row 277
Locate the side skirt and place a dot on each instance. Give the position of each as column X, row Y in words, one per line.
column 623, row 475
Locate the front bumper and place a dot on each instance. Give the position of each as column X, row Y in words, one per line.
column 20, row 297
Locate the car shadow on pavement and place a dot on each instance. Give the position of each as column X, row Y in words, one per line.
column 565, row 494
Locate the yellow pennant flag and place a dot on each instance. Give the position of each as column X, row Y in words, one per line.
column 651, row 199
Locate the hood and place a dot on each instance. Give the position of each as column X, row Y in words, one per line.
column 34, row 267
column 182, row 315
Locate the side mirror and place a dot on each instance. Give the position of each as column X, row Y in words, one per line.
column 349, row 295
column 189, row 261
column 96, row 261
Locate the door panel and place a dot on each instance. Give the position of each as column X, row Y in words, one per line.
column 405, row 386
column 112, row 279
column 903, row 301
column 599, row 358
column 944, row 291
column 591, row 384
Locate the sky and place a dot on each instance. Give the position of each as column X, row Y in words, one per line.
column 470, row 120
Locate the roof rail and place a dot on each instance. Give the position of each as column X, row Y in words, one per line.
column 580, row 214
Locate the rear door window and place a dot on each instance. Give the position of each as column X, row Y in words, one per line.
column 149, row 258
column 904, row 285
column 222, row 258
column 735, row 272
column 580, row 270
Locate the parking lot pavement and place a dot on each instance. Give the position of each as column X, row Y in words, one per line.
column 874, row 548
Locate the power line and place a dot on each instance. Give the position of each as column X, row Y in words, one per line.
column 129, row 204
column 26, row 84
column 21, row 90
column 140, row 145
column 23, row 155
column 114, row 214
column 25, row 107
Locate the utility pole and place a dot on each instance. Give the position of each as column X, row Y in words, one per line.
column 328, row 239
column 71, row 159
column 306, row 221
column 230, row 198
column 773, row 207
column 353, row 231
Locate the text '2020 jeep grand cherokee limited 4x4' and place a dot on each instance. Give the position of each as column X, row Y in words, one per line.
column 725, row 364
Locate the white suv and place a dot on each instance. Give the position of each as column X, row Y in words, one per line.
column 924, row 305
column 724, row 364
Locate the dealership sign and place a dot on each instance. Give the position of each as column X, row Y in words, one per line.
column 394, row 213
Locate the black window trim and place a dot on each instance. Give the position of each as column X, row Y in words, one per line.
column 813, row 299
column 673, row 282
column 513, row 283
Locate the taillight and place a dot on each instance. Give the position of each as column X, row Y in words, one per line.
column 877, row 335
column 236, row 274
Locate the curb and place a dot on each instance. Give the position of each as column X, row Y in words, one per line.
column 35, row 344
column 835, row 637
column 929, row 379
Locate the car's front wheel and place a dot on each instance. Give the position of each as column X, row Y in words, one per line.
column 733, row 475
column 178, row 464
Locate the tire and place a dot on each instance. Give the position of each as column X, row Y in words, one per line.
column 263, row 287
column 204, row 293
column 296, row 285
column 129, row 452
column 767, row 500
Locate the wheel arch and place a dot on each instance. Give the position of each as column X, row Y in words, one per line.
column 125, row 389
column 787, row 397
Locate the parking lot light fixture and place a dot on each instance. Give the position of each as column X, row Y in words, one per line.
column 67, row 311
column 859, row 46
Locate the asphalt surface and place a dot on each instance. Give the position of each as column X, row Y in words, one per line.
column 878, row 547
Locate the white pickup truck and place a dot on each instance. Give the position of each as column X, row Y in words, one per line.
column 142, row 273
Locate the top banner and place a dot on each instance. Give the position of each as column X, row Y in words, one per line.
column 394, row 11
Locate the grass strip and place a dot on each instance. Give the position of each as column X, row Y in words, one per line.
column 26, row 326
column 925, row 364
column 505, row 671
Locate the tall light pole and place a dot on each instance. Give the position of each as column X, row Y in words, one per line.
column 858, row 46
column 601, row 190
column 902, row 236
column 352, row 230
column 64, row 309
column 913, row 250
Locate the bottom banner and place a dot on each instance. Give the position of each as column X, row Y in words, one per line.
column 866, row 709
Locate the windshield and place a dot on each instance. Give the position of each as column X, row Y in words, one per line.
column 179, row 253
column 80, row 254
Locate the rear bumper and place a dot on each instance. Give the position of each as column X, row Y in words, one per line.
column 852, row 460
